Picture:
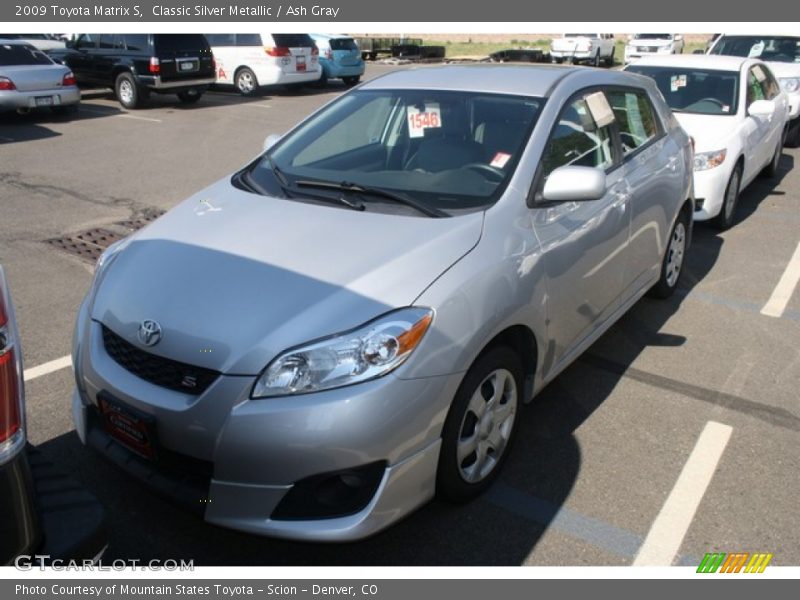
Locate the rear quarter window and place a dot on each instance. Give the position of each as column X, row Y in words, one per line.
column 293, row 40
column 180, row 42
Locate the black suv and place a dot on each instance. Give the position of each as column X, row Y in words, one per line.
column 42, row 512
column 136, row 64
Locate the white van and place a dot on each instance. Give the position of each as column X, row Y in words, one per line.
column 251, row 60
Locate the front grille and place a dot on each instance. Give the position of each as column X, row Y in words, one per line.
column 158, row 370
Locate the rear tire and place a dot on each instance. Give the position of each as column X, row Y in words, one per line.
column 727, row 213
column 246, row 82
column 480, row 426
column 674, row 256
column 596, row 60
column 351, row 81
column 610, row 59
column 190, row 96
column 129, row 94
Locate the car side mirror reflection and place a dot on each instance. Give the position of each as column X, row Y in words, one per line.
column 571, row 184
column 761, row 108
column 270, row 141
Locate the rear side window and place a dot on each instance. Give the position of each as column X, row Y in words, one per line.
column 180, row 42
column 221, row 39
column 343, row 44
column 636, row 118
column 293, row 40
column 576, row 140
column 248, row 39
column 18, row 54
column 137, row 42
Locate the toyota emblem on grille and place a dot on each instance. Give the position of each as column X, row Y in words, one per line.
column 149, row 332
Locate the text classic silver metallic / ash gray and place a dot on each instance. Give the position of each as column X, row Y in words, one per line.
column 313, row 347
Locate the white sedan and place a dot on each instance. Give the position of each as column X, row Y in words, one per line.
column 735, row 111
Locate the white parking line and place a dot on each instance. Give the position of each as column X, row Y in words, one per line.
column 120, row 115
column 785, row 288
column 662, row 543
column 257, row 105
column 47, row 368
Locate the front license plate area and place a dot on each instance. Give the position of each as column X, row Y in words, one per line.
column 130, row 427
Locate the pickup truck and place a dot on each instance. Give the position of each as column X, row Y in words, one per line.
column 592, row 48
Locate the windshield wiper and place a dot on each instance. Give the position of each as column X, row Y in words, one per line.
column 346, row 186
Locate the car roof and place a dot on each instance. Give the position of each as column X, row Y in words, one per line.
column 698, row 61
column 8, row 42
column 331, row 36
column 523, row 80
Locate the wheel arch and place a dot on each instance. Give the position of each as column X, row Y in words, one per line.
column 521, row 339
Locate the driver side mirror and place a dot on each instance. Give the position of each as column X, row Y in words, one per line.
column 761, row 109
column 678, row 37
column 270, row 141
column 574, row 184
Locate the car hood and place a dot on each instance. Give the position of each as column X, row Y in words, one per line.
column 234, row 278
column 784, row 69
column 710, row 132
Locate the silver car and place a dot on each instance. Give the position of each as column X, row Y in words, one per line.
column 30, row 79
column 315, row 346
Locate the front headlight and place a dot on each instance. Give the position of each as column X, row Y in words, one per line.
column 370, row 351
column 709, row 160
column 790, row 84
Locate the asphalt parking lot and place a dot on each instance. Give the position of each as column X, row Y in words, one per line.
column 621, row 434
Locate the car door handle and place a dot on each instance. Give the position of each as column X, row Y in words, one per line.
column 673, row 163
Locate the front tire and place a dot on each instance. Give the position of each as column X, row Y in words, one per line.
column 610, row 59
column 672, row 263
column 771, row 170
column 480, row 426
column 793, row 136
column 129, row 94
column 725, row 218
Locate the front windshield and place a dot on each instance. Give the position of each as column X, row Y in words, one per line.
column 447, row 150
column 653, row 36
column 770, row 48
column 699, row 91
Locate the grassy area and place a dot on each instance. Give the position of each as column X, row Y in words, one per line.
column 479, row 49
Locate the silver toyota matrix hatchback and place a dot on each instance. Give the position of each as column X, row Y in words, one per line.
column 313, row 347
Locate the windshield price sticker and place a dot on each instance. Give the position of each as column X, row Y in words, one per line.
column 500, row 159
column 600, row 109
column 677, row 82
column 420, row 120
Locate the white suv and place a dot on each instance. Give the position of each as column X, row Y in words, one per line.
column 782, row 54
column 646, row 44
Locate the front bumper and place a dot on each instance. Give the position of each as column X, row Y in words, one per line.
column 709, row 186
column 15, row 99
column 245, row 455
